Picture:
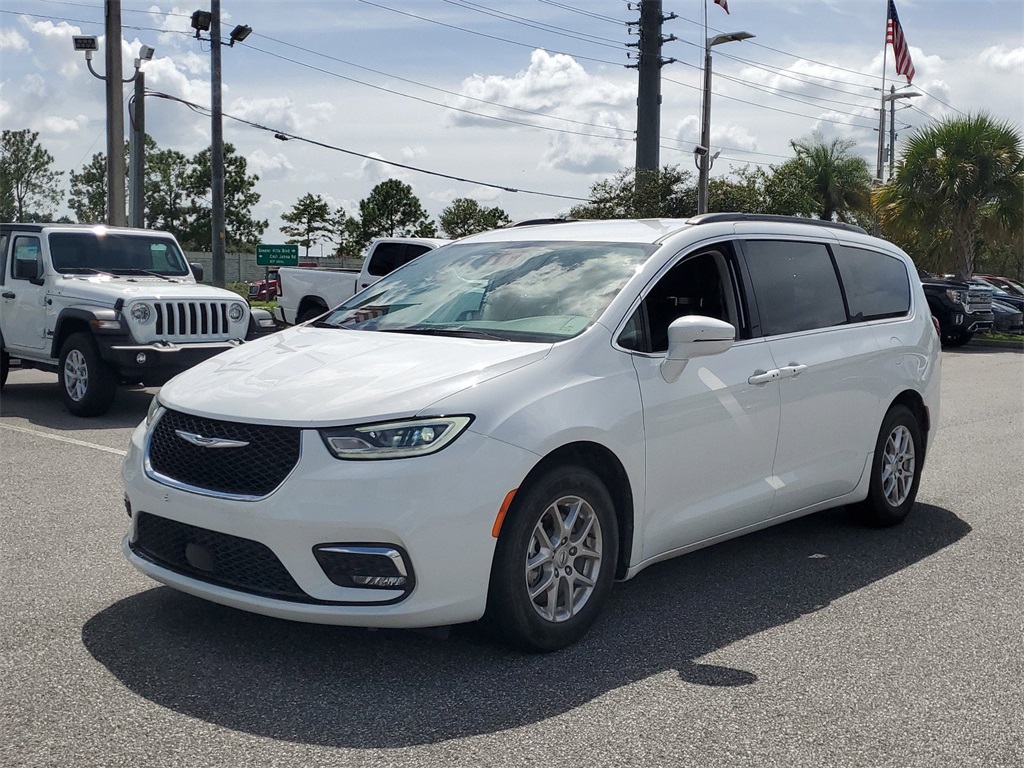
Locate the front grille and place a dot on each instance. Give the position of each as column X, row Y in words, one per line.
column 192, row 320
column 255, row 469
column 979, row 301
column 218, row 558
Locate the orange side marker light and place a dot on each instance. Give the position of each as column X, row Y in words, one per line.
column 502, row 512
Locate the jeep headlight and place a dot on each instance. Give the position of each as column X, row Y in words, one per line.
column 394, row 439
column 236, row 312
column 141, row 312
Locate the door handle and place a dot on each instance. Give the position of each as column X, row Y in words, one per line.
column 765, row 376
column 791, row 371
column 8, row 295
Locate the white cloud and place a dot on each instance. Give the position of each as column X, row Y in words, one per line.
column 11, row 40
column 276, row 166
column 62, row 125
column 1002, row 59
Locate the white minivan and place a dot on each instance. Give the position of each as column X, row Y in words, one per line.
column 506, row 425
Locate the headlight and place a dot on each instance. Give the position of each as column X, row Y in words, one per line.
column 396, row 439
column 960, row 297
column 155, row 409
column 141, row 312
column 236, row 312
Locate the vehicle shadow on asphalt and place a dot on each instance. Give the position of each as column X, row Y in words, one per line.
column 353, row 688
column 39, row 403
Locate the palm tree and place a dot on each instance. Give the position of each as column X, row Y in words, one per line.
column 960, row 182
column 838, row 182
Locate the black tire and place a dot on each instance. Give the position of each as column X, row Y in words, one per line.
column 87, row 384
column 895, row 470
column 580, row 582
column 956, row 338
column 5, row 367
column 309, row 313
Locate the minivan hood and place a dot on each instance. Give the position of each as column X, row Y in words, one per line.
column 309, row 376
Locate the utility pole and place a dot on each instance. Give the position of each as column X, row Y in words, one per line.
column 137, row 150
column 217, row 150
column 115, row 117
column 881, row 139
column 648, row 102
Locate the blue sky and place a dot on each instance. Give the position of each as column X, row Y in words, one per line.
column 421, row 82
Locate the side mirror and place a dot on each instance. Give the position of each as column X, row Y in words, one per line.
column 694, row 336
column 197, row 271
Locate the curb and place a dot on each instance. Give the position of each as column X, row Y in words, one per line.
column 994, row 344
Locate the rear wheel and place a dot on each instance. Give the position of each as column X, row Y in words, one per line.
column 87, row 384
column 5, row 366
column 895, row 470
column 554, row 562
column 309, row 313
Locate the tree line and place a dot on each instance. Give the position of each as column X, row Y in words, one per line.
column 955, row 200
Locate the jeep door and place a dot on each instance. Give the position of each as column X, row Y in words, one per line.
column 710, row 434
column 23, row 304
column 828, row 370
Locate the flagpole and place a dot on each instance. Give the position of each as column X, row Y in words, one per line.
column 881, row 103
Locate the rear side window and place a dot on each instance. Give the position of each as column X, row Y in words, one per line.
column 3, row 256
column 387, row 257
column 795, row 284
column 876, row 283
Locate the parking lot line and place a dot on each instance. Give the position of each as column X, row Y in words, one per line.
column 62, row 439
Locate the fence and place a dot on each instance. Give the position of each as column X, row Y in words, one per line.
column 242, row 268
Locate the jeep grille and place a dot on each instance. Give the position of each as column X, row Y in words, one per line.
column 250, row 471
column 192, row 320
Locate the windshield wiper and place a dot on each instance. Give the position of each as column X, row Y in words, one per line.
column 458, row 331
column 85, row 270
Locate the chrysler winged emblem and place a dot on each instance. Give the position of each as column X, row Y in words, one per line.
column 209, row 442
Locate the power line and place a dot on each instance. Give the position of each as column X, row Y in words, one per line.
column 284, row 135
column 582, row 12
column 504, row 16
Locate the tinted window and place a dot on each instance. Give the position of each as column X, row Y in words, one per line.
column 795, row 284
column 90, row 252
column 3, row 257
column 387, row 257
column 876, row 284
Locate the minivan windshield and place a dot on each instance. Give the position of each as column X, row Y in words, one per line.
column 517, row 291
column 114, row 253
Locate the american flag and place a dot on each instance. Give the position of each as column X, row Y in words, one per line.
column 894, row 35
column 724, row 4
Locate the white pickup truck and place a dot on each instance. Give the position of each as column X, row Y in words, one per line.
column 306, row 293
column 103, row 306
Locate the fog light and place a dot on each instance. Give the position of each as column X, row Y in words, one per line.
column 140, row 358
column 365, row 566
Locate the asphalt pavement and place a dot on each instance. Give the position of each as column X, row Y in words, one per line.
column 815, row 643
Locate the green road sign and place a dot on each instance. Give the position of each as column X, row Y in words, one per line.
column 277, row 255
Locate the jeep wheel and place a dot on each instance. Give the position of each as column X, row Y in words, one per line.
column 895, row 470
column 87, row 384
column 554, row 561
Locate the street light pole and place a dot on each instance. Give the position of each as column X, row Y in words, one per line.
column 891, row 97
column 115, row 117
column 703, row 150
column 216, row 149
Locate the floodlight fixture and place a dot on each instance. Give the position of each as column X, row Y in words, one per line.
column 201, row 21
column 239, row 33
column 146, row 52
column 85, row 43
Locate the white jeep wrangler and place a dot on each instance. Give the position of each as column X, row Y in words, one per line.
column 102, row 306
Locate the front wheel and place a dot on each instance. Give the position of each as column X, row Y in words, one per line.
column 554, row 562
column 956, row 338
column 87, row 384
column 895, row 470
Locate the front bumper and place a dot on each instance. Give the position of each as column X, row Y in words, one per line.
column 155, row 363
column 438, row 510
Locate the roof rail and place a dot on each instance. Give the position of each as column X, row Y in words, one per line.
column 532, row 222
column 711, row 218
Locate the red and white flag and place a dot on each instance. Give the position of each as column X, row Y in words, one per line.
column 894, row 35
column 724, row 4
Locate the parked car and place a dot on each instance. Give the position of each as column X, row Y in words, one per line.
column 1010, row 286
column 961, row 309
column 998, row 294
column 307, row 293
column 1009, row 319
column 504, row 426
column 101, row 306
